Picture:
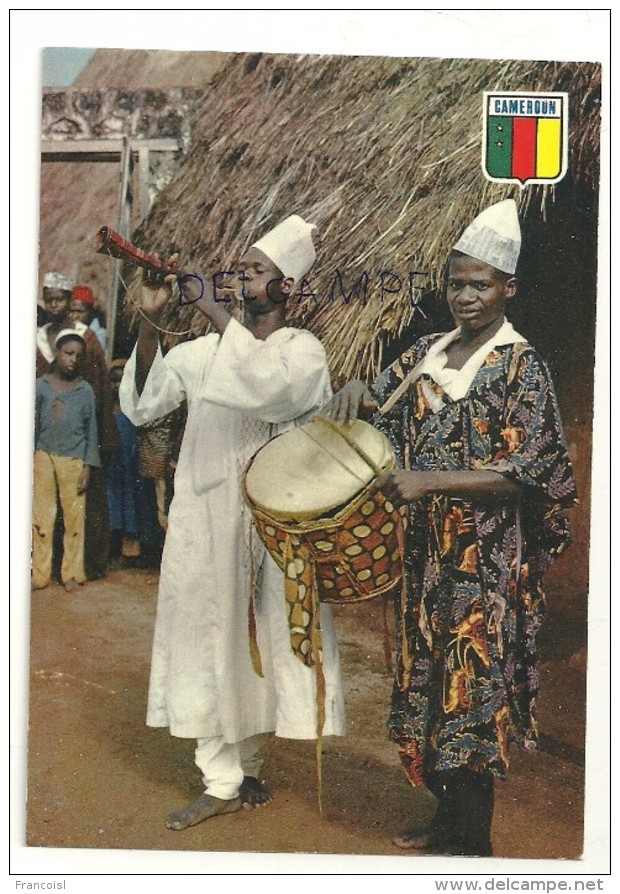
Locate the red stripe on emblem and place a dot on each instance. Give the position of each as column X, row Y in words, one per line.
column 523, row 148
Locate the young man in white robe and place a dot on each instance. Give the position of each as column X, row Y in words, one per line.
column 244, row 384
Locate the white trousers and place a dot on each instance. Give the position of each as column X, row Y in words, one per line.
column 224, row 764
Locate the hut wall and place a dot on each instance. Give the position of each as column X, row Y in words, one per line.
column 118, row 92
column 76, row 199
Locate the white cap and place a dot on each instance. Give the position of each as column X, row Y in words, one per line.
column 54, row 280
column 68, row 333
column 494, row 237
column 290, row 246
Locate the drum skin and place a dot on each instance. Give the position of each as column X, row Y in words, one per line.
column 355, row 550
column 310, row 471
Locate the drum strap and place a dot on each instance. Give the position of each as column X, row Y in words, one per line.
column 387, row 640
column 337, row 459
column 320, row 697
column 352, row 444
column 404, row 385
column 402, row 620
column 254, row 650
column 304, row 619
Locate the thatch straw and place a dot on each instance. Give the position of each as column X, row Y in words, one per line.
column 383, row 154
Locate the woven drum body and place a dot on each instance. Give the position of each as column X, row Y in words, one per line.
column 155, row 441
column 349, row 551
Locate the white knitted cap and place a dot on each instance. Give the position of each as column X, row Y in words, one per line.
column 494, row 237
column 54, row 280
column 68, row 333
column 289, row 245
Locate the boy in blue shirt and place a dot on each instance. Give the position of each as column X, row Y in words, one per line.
column 66, row 448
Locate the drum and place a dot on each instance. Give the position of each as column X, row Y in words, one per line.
column 309, row 493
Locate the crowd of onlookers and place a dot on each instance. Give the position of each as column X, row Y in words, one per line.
column 102, row 486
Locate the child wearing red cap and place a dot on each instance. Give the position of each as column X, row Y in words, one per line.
column 82, row 308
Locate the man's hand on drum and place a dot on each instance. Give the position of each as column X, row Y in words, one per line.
column 156, row 291
column 353, row 400
column 402, row 486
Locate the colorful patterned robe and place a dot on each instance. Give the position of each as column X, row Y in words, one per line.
column 468, row 616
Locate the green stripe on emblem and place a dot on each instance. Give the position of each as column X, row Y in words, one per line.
column 499, row 146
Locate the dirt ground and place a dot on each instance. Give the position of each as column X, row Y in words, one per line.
column 98, row 778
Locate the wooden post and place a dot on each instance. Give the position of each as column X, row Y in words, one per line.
column 144, row 194
column 107, row 150
column 125, row 199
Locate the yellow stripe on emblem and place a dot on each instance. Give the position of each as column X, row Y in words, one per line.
column 548, row 147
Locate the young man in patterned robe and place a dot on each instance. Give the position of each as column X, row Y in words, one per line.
column 484, row 470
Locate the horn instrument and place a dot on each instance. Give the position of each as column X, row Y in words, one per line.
column 109, row 242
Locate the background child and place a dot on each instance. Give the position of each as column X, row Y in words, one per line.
column 123, row 482
column 66, row 448
column 137, row 525
column 83, row 308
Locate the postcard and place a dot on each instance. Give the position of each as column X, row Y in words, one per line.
column 259, row 632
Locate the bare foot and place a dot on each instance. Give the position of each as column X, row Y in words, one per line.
column 201, row 809
column 254, row 792
column 72, row 585
column 415, row 839
column 38, row 585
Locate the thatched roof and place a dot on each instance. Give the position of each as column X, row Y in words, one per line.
column 382, row 153
column 153, row 68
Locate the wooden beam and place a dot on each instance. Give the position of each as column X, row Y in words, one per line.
column 102, row 150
